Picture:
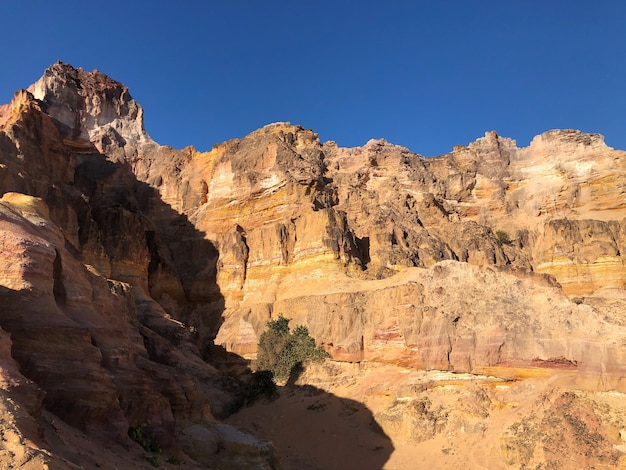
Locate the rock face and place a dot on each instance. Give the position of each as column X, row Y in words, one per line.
column 92, row 108
column 80, row 258
column 128, row 265
column 375, row 211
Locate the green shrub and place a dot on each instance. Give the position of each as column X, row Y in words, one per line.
column 281, row 350
column 144, row 438
column 502, row 237
column 154, row 459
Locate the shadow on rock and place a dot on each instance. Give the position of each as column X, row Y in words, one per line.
column 119, row 291
column 117, row 306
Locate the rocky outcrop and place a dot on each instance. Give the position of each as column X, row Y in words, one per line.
column 278, row 206
column 455, row 420
column 452, row 317
column 106, row 356
column 145, row 261
column 90, row 107
column 80, row 258
column 403, row 211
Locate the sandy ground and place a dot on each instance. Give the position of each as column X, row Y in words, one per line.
column 315, row 429
column 343, row 422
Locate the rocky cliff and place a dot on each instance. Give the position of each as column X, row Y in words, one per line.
column 128, row 268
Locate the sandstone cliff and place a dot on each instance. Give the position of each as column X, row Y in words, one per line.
column 145, row 262
column 80, row 257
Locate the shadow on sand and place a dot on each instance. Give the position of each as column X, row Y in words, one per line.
column 315, row 430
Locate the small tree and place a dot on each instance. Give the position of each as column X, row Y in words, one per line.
column 272, row 343
column 280, row 350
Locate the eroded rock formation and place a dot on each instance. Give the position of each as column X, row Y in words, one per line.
column 127, row 265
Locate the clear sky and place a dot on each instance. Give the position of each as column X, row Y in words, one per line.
column 424, row 74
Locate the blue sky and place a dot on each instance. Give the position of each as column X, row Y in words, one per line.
column 424, row 74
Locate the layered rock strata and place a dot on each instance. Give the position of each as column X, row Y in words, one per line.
column 80, row 258
column 492, row 259
column 279, row 205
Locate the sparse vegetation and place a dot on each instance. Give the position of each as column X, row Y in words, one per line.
column 281, row 351
column 154, row 459
column 502, row 237
column 146, row 440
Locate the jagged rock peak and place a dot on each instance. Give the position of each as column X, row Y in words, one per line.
column 21, row 98
column 378, row 145
column 91, row 106
column 291, row 134
column 570, row 138
column 492, row 138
